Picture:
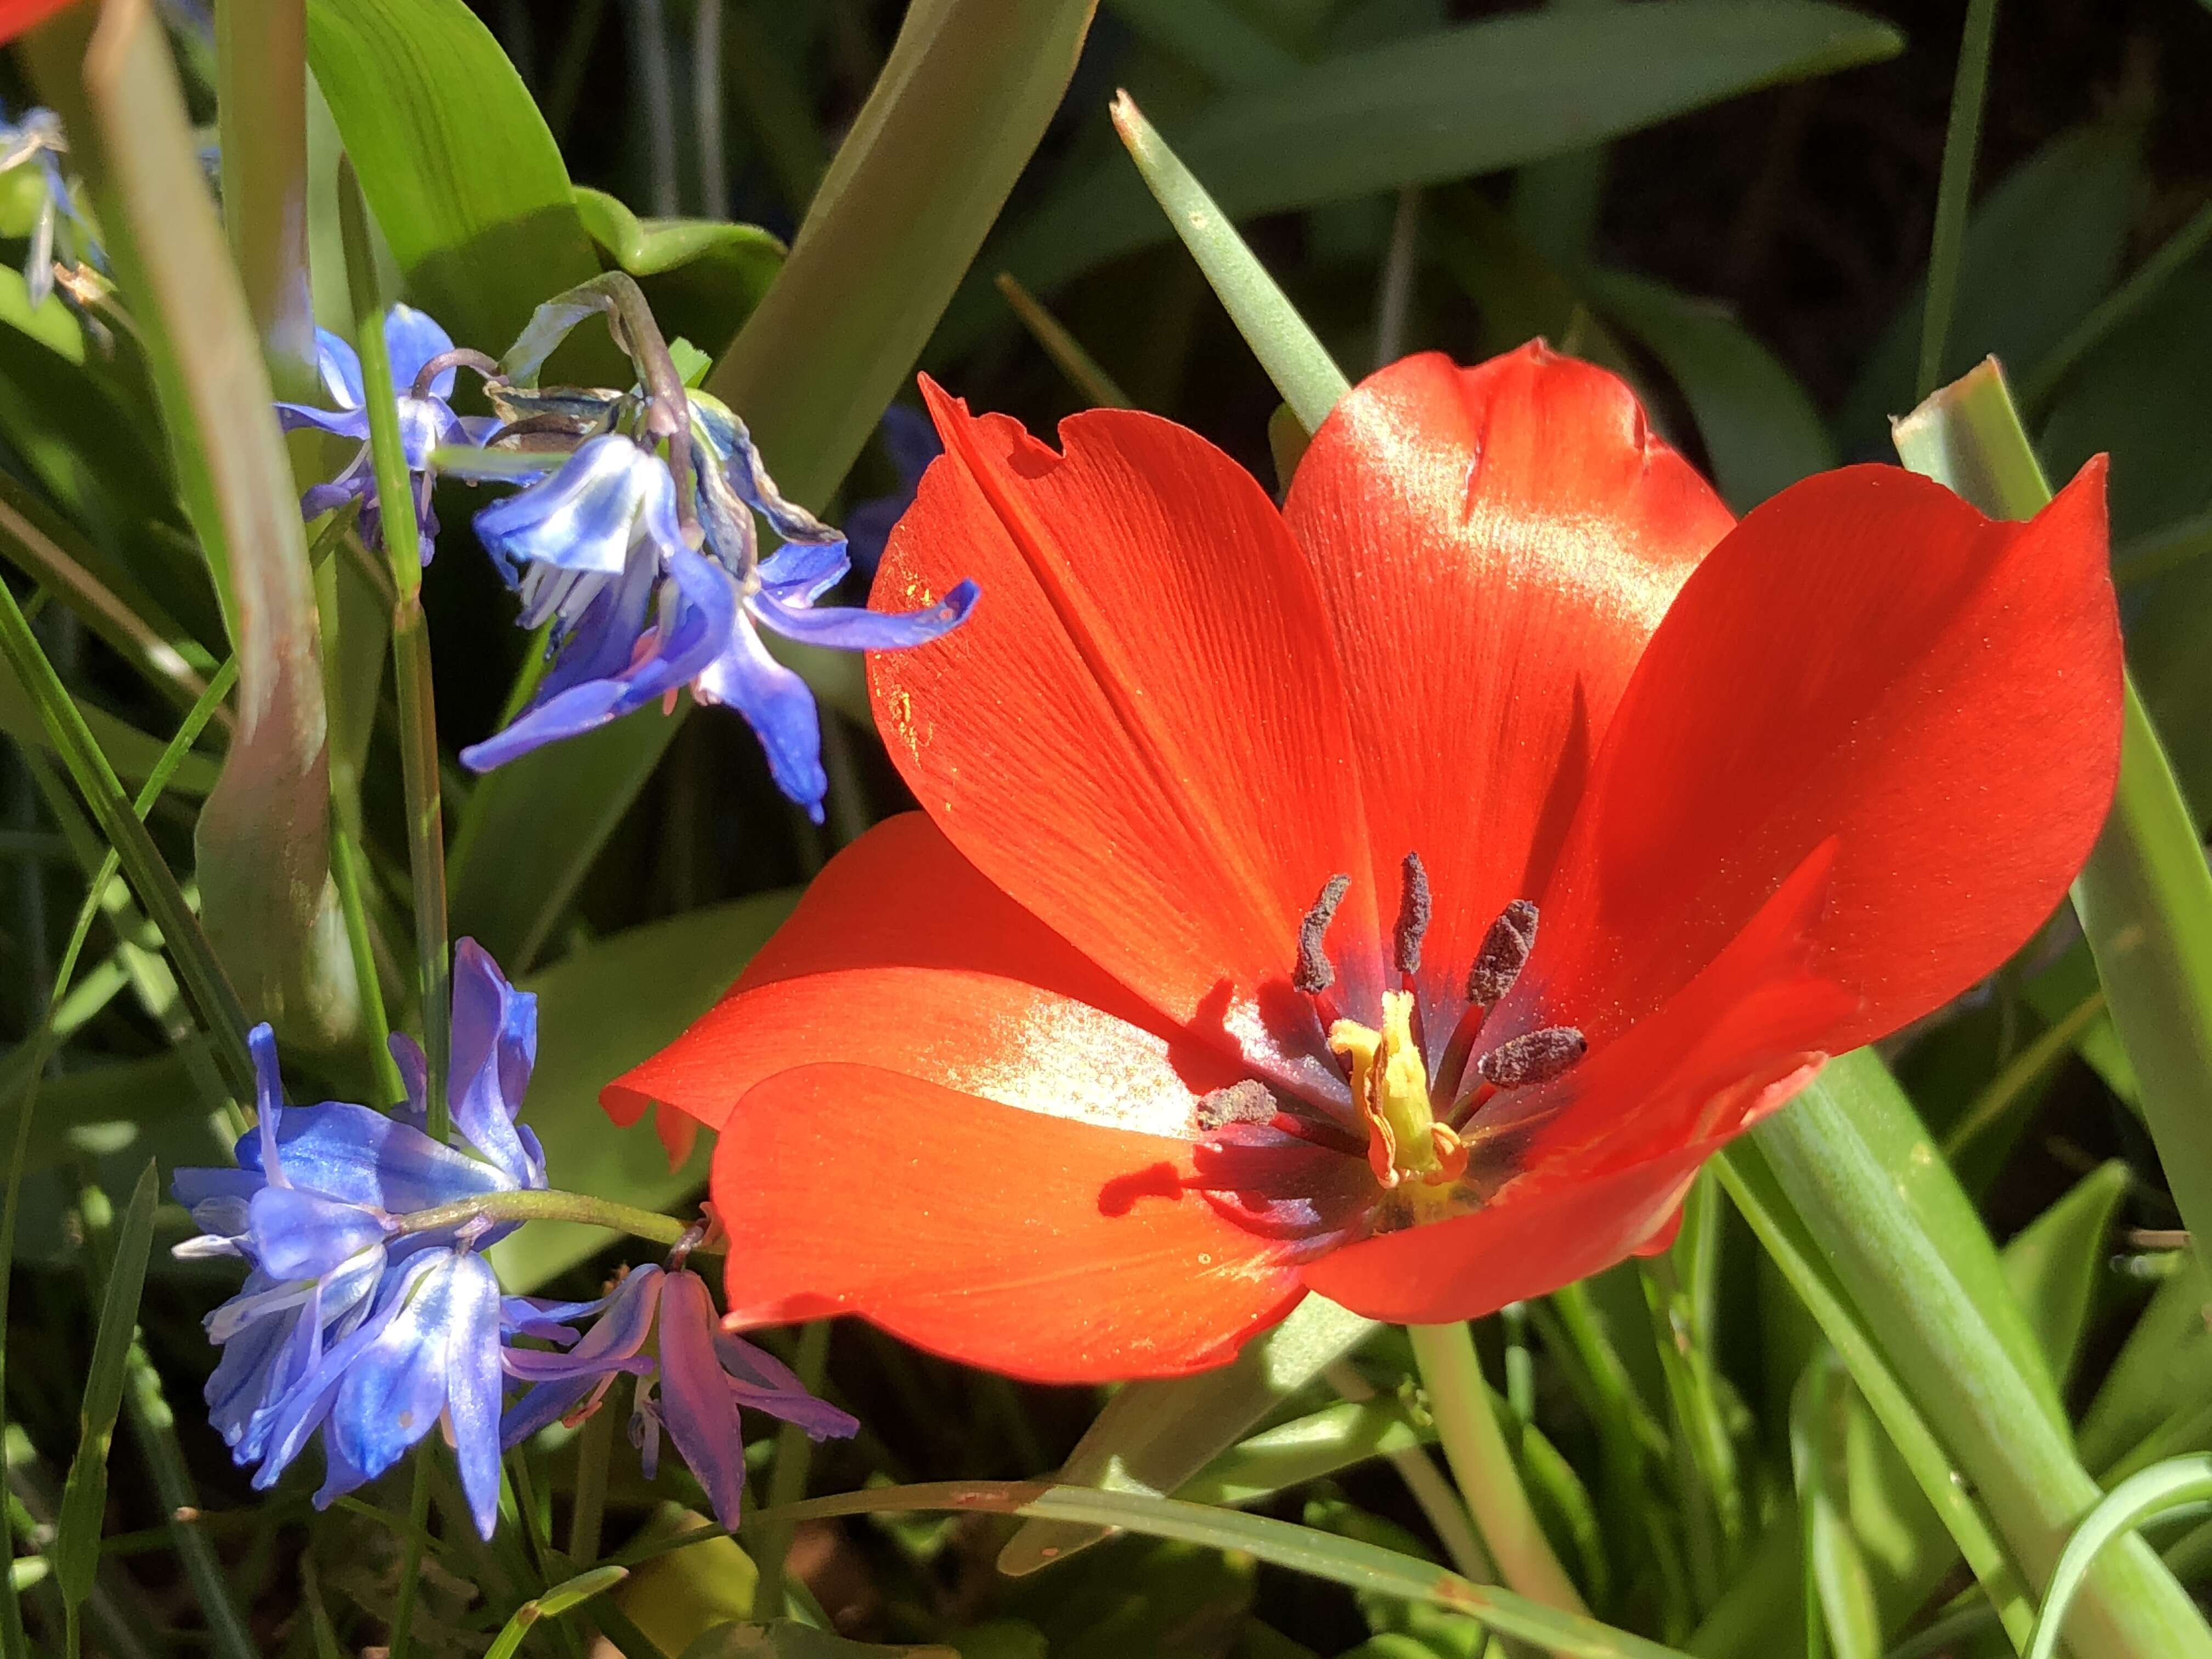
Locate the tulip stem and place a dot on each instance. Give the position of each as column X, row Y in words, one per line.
column 542, row 1205
column 1483, row 1466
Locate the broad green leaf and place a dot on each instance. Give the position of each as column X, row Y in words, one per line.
column 1882, row 1204
column 1448, row 105
column 1212, row 38
column 1187, row 1598
column 50, row 322
column 1760, row 429
column 600, row 1011
column 1154, row 1436
column 2041, row 248
column 2164, row 1369
column 2055, row 1264
column 786, row 1639
column 84, row 1495
column 2145, row 895
column 1358, row 1566
column 466, row 183
column 2182, row 1482
column 701, row 276
column 961, row 102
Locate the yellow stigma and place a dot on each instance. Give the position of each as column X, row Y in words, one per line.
column 1390, row 1086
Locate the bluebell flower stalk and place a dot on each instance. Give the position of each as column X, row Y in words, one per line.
column 641, row 547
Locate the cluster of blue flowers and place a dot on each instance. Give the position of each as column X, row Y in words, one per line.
column 647, row 592
column 369, row 1312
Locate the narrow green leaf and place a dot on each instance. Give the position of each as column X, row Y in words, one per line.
column 2056, row 1263
column 466, row 183
column 1961, row 138
column 1446, row 104
column 1305, row 1449
column 953, row 117
column 1294, row 360
column 1843, row 1600
column 264, row 836
column 1872, row 1192
column 787, row 1638
column 2048, row 374
column 1760, row 429
column 1153, row 1436
column 551, row 1604
column 2183, row 1481
column 2145, row 895
column 84, row 1495
column 1212, row 37
column 133, row 753
column 601, row 1010
column 2162, row 1369
column 1362, row 1567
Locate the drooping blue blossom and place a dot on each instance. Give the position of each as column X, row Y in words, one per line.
column 427, row 420
column 353, row 1319
column 56, row 226
column 597, row 548
column 693, row 1377
column 911, row 443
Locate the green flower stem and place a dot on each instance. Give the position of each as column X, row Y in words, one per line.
column 1459, row 1402
column 549, row 1207
column 410, row 1562
column 1884, row 1209
column 410, row 649
column 794, row 1456
column 1954, row 189
column 594, row 1449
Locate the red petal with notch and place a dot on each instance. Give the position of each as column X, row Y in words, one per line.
column 1495, row 545
column 1140, row 734
column 20, row 16
column 1042, row 1247
column 1865, row 657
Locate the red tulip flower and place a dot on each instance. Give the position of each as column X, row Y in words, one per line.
column 1397, row 895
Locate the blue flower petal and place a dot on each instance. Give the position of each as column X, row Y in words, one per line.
column 612, row 1344
column 779, row 708
column 759, row 1380
column 545, row 1405
column 341, row 422
column 414, row 1076
column 583, row 518
column 695, row 1400
column 393, row 1385
column 340, row 368
column 850, row 629
column 542, row 1317
column 298, row 1234
column 800, row 572
column 495, row 1038
column 698, row 613
column 411, row 338
column 474, row 1390
column 268, row 1102
column 362, row 1157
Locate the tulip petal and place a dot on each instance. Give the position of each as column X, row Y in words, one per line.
column 1938, row 693
column 1140, row 737
column 1495, row 545
column 1043, row 1247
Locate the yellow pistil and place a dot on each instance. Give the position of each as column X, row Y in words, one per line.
column 1390, row 1086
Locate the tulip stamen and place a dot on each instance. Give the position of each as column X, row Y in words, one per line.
column 1315, row 973
column 1248, row 1102
column 1534, row 1057
column 1414, row 908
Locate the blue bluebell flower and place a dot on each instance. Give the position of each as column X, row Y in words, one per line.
column 350, row 1320
column 597, row 548
column 911, row 442
column 693, row 1377
column 36, row 141
column 427, row 420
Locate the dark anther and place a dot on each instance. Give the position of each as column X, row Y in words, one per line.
column 1240, row 1103
column 1534, row 1057
column 1506, row 948
column 1315, row 972
column 1412, row 914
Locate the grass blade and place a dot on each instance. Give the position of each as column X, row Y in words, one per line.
column 1954, row 188
column 2154, row 1491
column 1347, row 1561
column 84, row 1495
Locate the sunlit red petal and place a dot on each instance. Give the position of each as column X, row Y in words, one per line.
column 1140, row 734
column 18, row 16
column 1866, row 657
column 899, row 897
column 1495, row 545
column 1039, row 1246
